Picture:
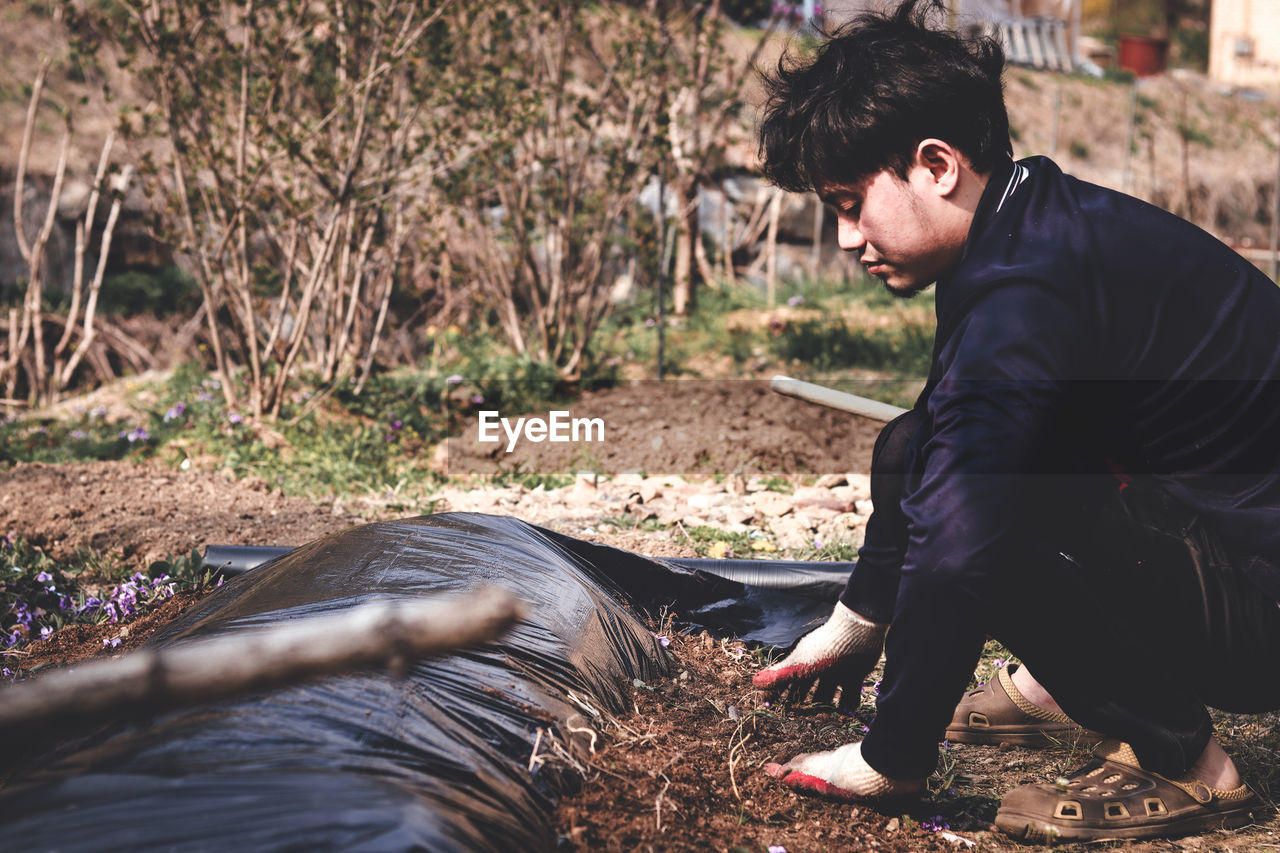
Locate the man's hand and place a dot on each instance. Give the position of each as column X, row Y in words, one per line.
column 840, row 654
column 842, row 774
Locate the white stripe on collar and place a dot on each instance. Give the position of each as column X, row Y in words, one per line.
column 1019, row 175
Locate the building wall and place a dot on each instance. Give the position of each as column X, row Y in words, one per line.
column 1244, row 42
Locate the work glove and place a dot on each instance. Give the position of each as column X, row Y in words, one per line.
column 842, row 774
column 840, row 653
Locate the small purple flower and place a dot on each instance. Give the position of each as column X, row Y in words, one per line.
column 649, row 322
column 137, row 434
column 79, row 434
column 662, row 641
column 113, row 642
column 46, row 631
column 796, row 301
column 453, row 380
column 777, row 848
column 203, row 396
column 98, row 412
column 477, row 399
column 44, row 577
column 395, row 425
column 235, row 418
column 998, row 663
column 174, row 412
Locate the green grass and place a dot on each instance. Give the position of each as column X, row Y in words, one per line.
column 703, row 537
column 809, row 338
column 532, row 479
column 373, row 442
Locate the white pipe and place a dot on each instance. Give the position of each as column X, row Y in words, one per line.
column 830, row 397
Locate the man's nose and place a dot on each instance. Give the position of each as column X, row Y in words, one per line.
column 848, row 236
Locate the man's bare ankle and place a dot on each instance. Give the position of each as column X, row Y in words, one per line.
column 1216, row 769
column 1034, row 693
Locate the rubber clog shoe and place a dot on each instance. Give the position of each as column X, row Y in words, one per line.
column 997, row 713
column 1113, row 798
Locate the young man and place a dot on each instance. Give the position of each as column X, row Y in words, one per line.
column 1090, row 474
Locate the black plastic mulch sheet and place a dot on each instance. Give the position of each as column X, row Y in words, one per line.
column 440, row 759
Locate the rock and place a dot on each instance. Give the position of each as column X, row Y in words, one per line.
column 806, row 519
column 668, row 515
column 650, row 491
column 830, row 481
column 812, row 493
column 771, row 504
column 643, row 513
column 707, row 501
column 792, row 532
column 846, row 493
column 832, row 506
column 584, row 492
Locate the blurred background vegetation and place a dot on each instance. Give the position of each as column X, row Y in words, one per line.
column 340, row 229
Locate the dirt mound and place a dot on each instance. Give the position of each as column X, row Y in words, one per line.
column 145, row 512
column 682, row 426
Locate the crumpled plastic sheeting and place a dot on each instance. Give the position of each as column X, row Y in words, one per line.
column 437, row 760
column 762, row 601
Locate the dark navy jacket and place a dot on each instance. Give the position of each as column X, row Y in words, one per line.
column 1082, row 329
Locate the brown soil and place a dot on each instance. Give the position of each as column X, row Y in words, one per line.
column 77, row 643
column 683, row 770
column 145, row 512
column 687, row 426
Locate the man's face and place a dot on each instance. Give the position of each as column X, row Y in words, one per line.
column 895, row 228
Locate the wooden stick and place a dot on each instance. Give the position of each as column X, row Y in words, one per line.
column 387, row 633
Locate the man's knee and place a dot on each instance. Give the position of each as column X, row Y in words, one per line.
column 891, row 452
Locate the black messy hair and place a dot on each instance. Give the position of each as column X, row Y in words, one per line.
column 879, row 85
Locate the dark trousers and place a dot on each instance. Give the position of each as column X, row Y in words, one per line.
column 1134, row 621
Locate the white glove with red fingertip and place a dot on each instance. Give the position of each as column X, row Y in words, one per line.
column 839, row 654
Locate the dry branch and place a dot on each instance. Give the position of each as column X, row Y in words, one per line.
column 145, row 682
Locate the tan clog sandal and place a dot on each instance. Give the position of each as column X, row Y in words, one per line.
column 1113, row 798
column 997, row 713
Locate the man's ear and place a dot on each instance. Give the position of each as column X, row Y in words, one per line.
column 943, row 162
